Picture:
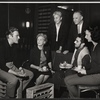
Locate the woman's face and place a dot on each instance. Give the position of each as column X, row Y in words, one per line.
column 57, row 19
column 88, row 35
column 40, row 41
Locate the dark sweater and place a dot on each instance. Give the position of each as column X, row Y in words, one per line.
column 7, row 54
column 95, row 61
column 35, row 55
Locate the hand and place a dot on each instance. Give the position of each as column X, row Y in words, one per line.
column 21, row 74
column 76, row 69
column 82, row 71
column 58, row 51
column 44, row 68
column 63, row 65
column 40, row 69
column 65, row 52
column 52, row 71
column 21, row 70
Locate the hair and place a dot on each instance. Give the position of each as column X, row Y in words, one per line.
column 57, row 13
column 95, row 33
column 82, row 38
column 43, row 35
column 80, row 12
column 11, row 30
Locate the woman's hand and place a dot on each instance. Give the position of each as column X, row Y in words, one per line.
column 45, row 69
column 40, row 69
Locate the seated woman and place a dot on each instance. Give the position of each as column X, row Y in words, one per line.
column 40, row 60
column 92, row 75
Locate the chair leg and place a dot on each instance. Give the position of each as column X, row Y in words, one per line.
column 79, row 92
column 20, row 89
column 97, row 94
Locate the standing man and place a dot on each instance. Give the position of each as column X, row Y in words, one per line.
column 8, row 68
column 78, row 27
column 57, row 34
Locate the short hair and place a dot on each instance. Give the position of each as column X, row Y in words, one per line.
column 11, row 30
column 82, row 38
column 59, row 13
column 43, row 35
column 80, row 12
column 95, row 33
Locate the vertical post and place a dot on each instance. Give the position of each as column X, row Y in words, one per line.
column 8, row 15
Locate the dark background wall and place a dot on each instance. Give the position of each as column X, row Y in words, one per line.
column 40, row 15
column 18, row 13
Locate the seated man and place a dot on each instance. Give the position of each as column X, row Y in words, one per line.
column 9, row 72
column 80, row 58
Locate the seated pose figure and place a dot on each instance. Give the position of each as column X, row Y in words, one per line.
column 9, row 71
column 80, row 58
column 91, row 75
column 40, row 59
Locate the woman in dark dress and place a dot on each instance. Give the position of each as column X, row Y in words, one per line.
column 92, row 75
column 40, row 60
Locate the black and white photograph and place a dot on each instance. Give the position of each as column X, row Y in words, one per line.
column 49, row 50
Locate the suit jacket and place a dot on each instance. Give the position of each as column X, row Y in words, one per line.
column 73, row 34
column 62, row 36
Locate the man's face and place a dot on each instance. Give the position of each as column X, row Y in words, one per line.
column 77, row 42
column 15, row 37
column 77, row 18
column 57, row 19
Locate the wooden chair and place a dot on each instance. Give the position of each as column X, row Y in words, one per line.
column 83, row 88
column 2, row 89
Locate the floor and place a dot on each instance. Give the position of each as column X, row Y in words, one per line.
column 64, row 94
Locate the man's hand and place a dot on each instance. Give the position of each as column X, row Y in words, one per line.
column 21, row 74
column 82, row 71
column 65, row 52
column 58, row 51
column 76, row 69
column 21, row 70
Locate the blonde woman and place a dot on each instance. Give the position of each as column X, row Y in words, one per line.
column 40, row 59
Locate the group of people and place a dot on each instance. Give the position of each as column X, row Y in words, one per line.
column 84, row 42
column 84, row 68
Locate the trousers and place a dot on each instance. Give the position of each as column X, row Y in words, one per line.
column 73, row 81
column 11, row 82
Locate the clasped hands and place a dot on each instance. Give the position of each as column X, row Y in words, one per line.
column 43, row 69
column 20, row 72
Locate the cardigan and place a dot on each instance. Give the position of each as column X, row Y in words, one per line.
column 35, row 55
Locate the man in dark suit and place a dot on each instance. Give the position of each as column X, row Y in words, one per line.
column 78, row 27
column 57, row 33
